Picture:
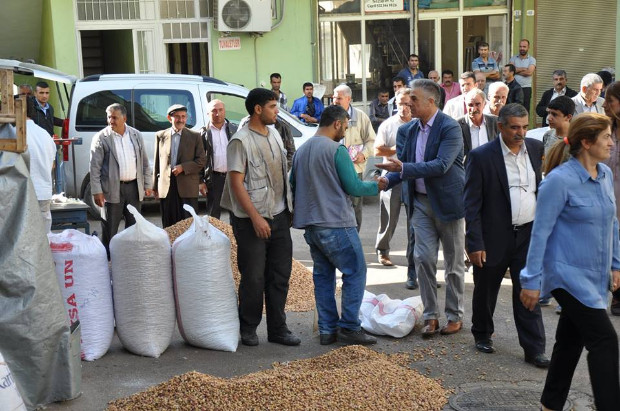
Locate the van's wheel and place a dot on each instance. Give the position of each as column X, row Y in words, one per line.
column 94, row 210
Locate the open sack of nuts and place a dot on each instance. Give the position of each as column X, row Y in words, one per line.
column 352, row 377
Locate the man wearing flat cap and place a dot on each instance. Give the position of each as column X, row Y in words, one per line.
column 179, row 160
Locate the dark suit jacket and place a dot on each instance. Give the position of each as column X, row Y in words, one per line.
column 191, row 156
column 46, row 121
column 490, row 122
column 442, row 168
column 207, row 140
column 488, row 212
column 541, row 107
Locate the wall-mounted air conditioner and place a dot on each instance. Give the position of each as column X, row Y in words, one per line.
column 243, row 15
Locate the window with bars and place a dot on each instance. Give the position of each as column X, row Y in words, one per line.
column 88, row 10
column 185, row 9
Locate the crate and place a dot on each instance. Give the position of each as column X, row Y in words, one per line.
column 12, row 111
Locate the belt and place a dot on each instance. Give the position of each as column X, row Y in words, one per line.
column 516, row 228
column 219, row 173
column 129, row 182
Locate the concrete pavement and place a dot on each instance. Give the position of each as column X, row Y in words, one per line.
column 453, row 359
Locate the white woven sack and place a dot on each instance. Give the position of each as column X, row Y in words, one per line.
column 10, row 399
column 142, row 284
column 204, row 288
column 383, row 316
column 84, row 278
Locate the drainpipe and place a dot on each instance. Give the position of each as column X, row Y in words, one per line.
column 280, row 16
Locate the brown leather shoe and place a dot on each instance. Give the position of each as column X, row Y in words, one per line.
column 431, row 327
column 452, row 327
column 385, row 260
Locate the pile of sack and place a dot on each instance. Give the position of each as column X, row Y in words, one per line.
column 150, row 286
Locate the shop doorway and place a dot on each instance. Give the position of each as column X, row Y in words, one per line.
column 107, row 52
column 188, row 58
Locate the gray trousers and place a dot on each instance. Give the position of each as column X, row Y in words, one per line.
column 429, row 230
column 389, row 211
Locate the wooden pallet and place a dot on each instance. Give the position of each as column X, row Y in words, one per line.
column 12, row 111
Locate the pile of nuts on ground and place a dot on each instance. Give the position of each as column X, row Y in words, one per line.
column 301, row 288
column 352, row 377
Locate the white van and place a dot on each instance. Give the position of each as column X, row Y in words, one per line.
column 147, row 97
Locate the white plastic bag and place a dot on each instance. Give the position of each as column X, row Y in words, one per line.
column 383, row 316
column 10, row 399
column 204, row 288
column 84, row 278
column 142, row 284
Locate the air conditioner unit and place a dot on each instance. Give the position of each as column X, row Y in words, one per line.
column 243, row 15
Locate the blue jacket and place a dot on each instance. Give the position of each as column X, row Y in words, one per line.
column 299, row 107
column 442, row 169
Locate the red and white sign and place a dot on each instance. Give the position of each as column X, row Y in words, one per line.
column 229, row 43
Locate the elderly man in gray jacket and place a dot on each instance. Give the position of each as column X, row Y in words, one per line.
column 120, row 173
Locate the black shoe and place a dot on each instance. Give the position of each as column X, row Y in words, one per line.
column 327, row 339
column 411, row 285
column 346, row 336
column 249, row 339
column 286, row 338
column 438, row 285
column 539, row 360
column 485, row 346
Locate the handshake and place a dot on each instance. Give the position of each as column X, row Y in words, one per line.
column 382, row 182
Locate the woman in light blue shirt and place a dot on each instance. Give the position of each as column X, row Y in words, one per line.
column 574, row 254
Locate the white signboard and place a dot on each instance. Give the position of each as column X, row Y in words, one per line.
column 229, row 43
column 383, row 5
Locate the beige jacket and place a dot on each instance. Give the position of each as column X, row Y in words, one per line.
column 360, row 132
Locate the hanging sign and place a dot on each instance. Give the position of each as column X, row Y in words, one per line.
column 229, row 43
column 383, row 5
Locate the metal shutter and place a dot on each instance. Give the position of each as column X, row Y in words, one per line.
column 574, row 35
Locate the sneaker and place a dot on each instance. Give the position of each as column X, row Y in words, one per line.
column 544, row 302
column 249, row 339
column 285, row 338
column 346, row 336
column 411, row 285
column 327, row 339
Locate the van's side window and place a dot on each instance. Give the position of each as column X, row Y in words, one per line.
column 150, row 108
column 91, row 114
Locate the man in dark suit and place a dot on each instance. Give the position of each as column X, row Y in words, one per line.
column 500, row 201
column 179, row 160
column 215, row 136
column 430, row 163
column 478, row 128
column 559, row 89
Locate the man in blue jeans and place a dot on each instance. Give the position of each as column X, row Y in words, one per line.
column 322, row 179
